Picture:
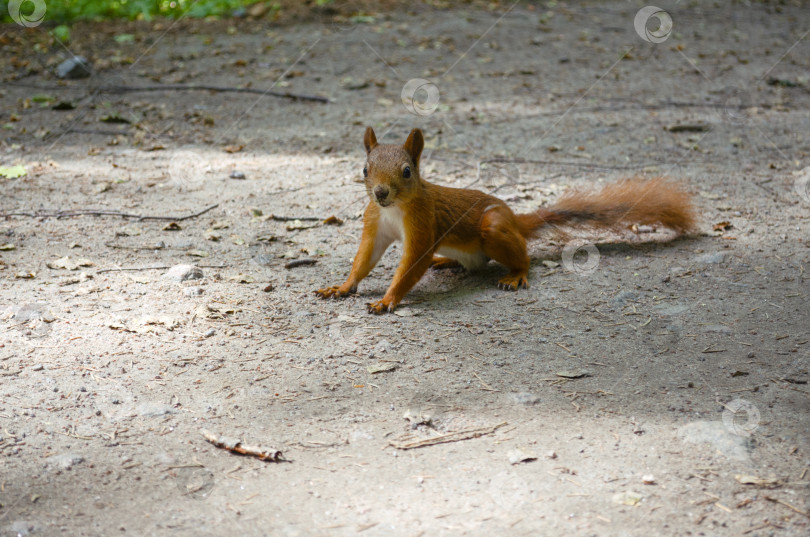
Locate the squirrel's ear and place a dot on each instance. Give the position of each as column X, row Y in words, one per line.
column 414, row 145
column 370, row 139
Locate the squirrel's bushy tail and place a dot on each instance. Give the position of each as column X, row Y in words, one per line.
column 629, row 201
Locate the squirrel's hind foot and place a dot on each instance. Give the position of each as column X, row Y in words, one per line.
column 513, row 282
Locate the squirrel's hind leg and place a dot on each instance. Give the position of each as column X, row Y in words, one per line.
column 503, row 242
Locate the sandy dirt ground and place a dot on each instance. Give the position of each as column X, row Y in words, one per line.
column 639, row 387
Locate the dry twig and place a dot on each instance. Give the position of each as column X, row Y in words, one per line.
column 236, row 446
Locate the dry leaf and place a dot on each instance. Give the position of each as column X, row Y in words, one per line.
column 381, row 367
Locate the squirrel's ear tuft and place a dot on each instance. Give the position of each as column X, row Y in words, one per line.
column 414, row 145
column 370, row 139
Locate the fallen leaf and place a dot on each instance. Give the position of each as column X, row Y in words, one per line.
column 212, row 235
column 757, row 481
column 8, row 246
column 333, row 221
column 627, row 498
column 197, row 253
column 128, row 231
column 233, row 148
column 12, row 172
column 518, row 455
column 722, row 226
column 220, row 224
column 68, row 264
column 114, row 118
column 381, row 367
column 172, row 226
column 25, row 274
column 573, row 374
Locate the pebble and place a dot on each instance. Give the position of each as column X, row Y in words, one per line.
column 73, row 68
column 193, row 291
column 525, row 398
column 236, row 174
column 21, row 528
column 210, row 332
column 148, row 410
column 711, row 258
column 182, row 273
column 64, row 461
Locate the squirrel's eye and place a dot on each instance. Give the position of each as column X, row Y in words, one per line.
column 406, row 172
column 365, row 171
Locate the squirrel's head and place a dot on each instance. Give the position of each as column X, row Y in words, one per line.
column 392, row 171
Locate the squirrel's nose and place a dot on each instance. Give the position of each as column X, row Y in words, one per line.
column 381, row 192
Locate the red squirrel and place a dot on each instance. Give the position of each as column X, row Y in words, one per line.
column 468, row 228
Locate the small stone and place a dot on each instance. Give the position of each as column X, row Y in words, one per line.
column 267, row 288
column 73, row 68
column 236, row 174
column 183, row 272
column 147, row 410
column 525, row 398
column 711, row 258
column 64, row 461
column 210, row 332
column 193, row 291
column 648, row 479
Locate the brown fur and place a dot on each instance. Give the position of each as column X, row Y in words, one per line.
column 475, row 226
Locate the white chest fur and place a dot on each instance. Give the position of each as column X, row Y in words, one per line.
column 391, row 224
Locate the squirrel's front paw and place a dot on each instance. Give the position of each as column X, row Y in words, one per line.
column 380, row 307
column 336, row 291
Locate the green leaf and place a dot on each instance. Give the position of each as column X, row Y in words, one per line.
column 62, row 33
column 124, row 38
column 12, row 172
